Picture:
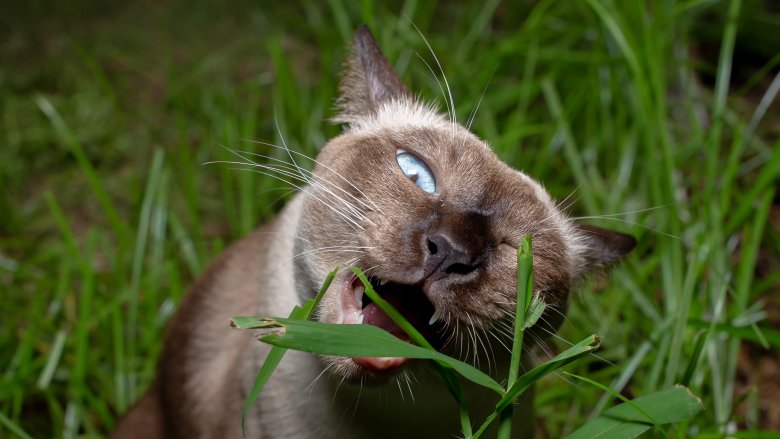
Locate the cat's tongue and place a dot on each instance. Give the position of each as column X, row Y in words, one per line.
column 373, row 315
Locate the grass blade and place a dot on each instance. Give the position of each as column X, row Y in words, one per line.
column 276, row 353
column 772, row 336
column 620, row 397
column 522, row 384
column 749, row 434
column 358, row 341
column 525, row 381
column 624, row 421
column 701, row 341
column 54, row 358
column 95, row 181
column 525, row 289
column 13, row 427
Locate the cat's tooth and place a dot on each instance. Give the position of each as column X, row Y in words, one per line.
column 359, row 290
column 382, row 281
column 434, row 318
column 360, row 319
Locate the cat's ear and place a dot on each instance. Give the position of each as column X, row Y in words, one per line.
column 368, row 79
column 601, row 247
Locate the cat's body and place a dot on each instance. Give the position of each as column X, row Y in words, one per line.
column 430, row 212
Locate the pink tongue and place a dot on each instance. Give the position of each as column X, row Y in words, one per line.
column 373, row 315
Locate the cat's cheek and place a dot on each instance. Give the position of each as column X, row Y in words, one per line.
column 479, row 307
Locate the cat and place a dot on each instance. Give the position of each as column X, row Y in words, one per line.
column 434, row 217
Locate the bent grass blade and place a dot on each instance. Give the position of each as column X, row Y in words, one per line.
column 276, row 353
column 359, row 341
column 626, row 421
column 525, row 381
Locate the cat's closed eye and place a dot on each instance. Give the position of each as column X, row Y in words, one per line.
column 417, row 171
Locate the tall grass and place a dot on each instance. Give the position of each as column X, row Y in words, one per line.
column 107, row 213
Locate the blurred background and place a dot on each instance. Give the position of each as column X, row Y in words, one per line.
column 654, row 118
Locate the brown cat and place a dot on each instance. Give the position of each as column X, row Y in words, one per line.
column 434, row 217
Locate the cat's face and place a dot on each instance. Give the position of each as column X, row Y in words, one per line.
column 433, row 216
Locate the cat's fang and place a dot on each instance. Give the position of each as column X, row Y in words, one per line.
column 435, row 317
column 351, row 311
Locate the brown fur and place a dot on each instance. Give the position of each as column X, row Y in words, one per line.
column 360, row 209
column 144, row 419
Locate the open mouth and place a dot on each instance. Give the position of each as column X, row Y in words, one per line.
column 409, row 300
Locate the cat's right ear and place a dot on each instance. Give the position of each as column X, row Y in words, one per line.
column 603, row 248
column 367, row 80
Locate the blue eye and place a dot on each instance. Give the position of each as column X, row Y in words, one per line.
column 417, row 171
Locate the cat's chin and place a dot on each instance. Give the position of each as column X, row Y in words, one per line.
column 355, row 307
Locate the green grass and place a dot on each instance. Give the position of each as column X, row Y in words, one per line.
column 107, row 214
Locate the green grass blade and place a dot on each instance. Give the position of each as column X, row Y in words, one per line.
column 94, row 180
column 771, row 336
column 723, row 79
column 54, row 358
column 571, row 150
column 139, row 254
column 525, row 381
column 701, row 341
column 749, row 434
column 751, row 245
column 505, row 423
column 620, row 397
column 453, row 386
column 629, row 369
column 359, row 341
column 64, row 226
column 624, row 421
column 766, row 178
column 618, row 34
column 14, row 428
column 534, row 312
column 276, row 353
column 683, row 310
column 525, row 290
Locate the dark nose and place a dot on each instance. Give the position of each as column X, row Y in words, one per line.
column 450, row 255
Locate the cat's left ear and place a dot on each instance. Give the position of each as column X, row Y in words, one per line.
column 367, row 80
column 601, row 247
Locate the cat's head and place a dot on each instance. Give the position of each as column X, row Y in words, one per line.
column 434, row 217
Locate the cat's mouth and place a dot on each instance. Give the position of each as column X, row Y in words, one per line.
column 409, row 300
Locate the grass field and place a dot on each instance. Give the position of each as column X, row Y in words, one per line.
column 654, row 118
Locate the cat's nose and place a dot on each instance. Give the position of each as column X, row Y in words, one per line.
column 447, row 255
